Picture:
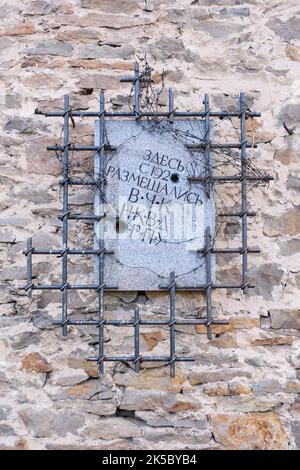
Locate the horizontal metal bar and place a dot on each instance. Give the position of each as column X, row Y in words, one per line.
column 188, row 321
column 70, row 252
column 237, row 214
column 142, row 359
column 78, row 148
column 230, row 250
column 70, row 286
column 202, row 179
column 75, row 182
column 204, row 287
column 82, row 217
column 220, row 114
column 219, row 146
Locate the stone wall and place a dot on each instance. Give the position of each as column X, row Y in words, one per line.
column 243, row 389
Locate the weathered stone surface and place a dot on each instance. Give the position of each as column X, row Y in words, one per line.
column 199, row 421
column 286, row 156
column 285, row 318
column 293, row 182
column 141, row 400
column 286, row 30
column 151, row 379
column 20, row 29
column 201, row 377
column 124, row 6
column 273, row 341
column 250, row 431
column 166, row 48
column 290, row 115
column 44, row 422
column 102, row 52
column 22, row 340
column 220, row 389
column 38, row 7
column 293, row 53
column 51, row 48
column 286, row 224
column 266, row 277
column 4, row 412
column 112, row 428
column 296, row 432
column 67, row 377
column 289, row 247
column 267, row 386
column 20, row 124
column 6, row 236
column 34, row 362
column 90, row 389
column 98, row 81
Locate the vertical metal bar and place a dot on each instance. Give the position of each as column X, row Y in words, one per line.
column 208, row 289
column 171, row 106
column 137, row 90
column 172, row 324
column 65, row 218
column 207, row 146
column 137, row 339
column 98, row 233
column 244, row 192
column 29, row 266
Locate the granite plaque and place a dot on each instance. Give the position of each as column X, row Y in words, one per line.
column 154, row 217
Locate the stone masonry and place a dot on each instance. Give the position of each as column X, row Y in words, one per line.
column 242, row 392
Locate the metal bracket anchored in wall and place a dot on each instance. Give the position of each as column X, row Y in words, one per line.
column 101, row 253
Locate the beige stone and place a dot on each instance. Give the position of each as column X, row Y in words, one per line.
column 152, row 379
column 36, row 363
column 252, row 431
column 274, row 341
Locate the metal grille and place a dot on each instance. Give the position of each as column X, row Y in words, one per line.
column 99, row 251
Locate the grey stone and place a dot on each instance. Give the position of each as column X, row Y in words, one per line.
column 169, row 434
column 296, row 432
column 5, row 44
column 98, row 81
column 13, row 101
column 27, row 338
column 6, row 237
column 107, row 6
column 6, row 430
column 140, row 400
column 235, row 11
column 265, row 277
column 267, row 386
column 293, row 182
column 287, row 223
column 155, row 419
column 218, row 29
column 42, row 320
column 286, row 30
column 93, row 407
column 4, row 412
column 30, row 194
column 148, row 242
column 44, row 422
column 112, row 428
column 201, row 377
column 19, row 124
column 91, row 389
column 51, row 48
column 289, row 247
column 166, row 48
column 285, row 318
column 100, row 52
column 290, row 114
column 12, row 273
column 67, row 377
column 216, row 359
column 38, row 7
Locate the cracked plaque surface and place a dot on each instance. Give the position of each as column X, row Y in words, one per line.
column 155, row 218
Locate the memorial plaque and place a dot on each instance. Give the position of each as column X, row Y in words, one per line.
column 154, row 217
